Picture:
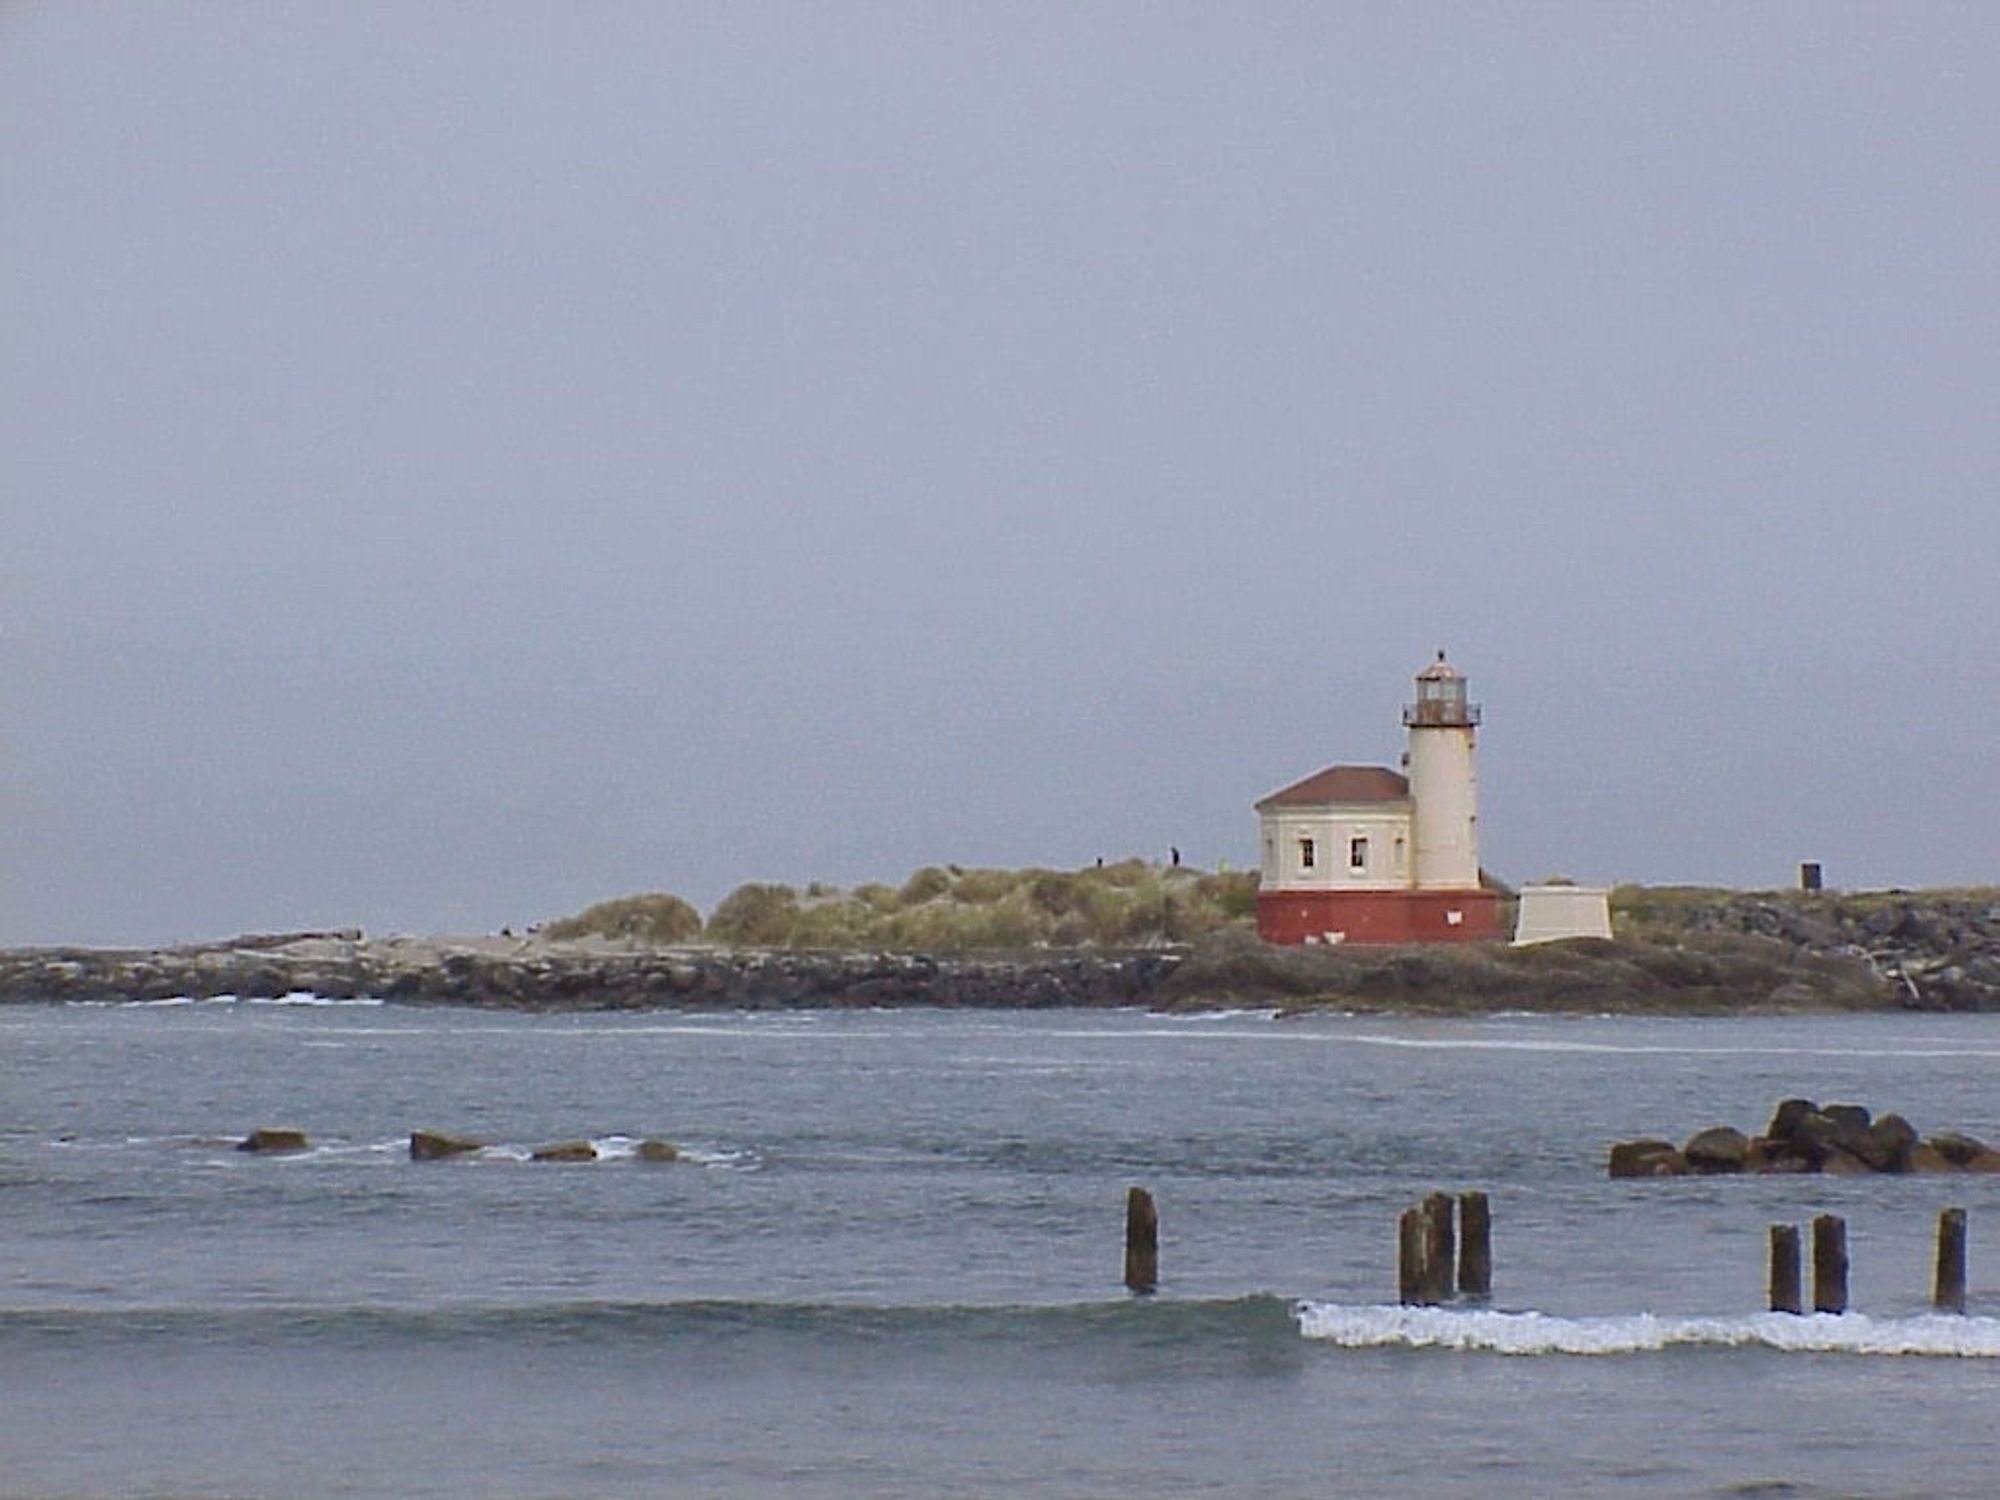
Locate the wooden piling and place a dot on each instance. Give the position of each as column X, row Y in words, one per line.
column 1829, row 1257
column 1949, row 1292
column 1475, row 1245
column 1142, row 1241
column 1440, row 1247
column 1787, row 1295
column 1410, row 1279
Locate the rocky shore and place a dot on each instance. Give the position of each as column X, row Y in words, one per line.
column 1675, row 952
column 536, row 974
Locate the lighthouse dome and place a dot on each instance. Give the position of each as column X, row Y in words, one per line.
column 1440, row 670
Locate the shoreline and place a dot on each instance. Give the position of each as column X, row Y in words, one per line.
column 1706, row 954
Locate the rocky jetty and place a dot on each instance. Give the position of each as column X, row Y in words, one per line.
column 537, row 974
column 1675, row 951
column 1806, row 1137
column 1941, row 949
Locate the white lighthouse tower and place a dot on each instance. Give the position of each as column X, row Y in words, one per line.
column 1444, row 790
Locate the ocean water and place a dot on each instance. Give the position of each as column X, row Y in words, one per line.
column 889, row 1263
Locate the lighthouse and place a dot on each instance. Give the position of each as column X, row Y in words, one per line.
column 1364, row 854
column 1444, row 792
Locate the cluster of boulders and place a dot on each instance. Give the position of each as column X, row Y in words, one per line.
column 1808, row 1137
column 435, row 1145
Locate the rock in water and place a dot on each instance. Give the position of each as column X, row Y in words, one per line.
column 651, row 1149
column 1955, row 1146
column 1890, row 1142
column 1720, row 1148
column 1806, row 1137
column 431, row 1145
column 1924, row 1157
column 565, row 1151
column 273, row 1138
column 1647, row 1158
column 1785, row 1119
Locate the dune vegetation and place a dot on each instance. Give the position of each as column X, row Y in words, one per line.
column 655, row 917
column 945, row 909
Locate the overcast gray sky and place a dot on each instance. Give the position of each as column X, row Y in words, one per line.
column 460, row 462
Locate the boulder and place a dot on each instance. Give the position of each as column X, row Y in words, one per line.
column 1924, row 1157
column 1837, row 1163
column 432, row 1145
column 1767, row 1155
column 565, row 1151
column 1955, row 1146
column 1853, row 1116
column 273, row 1138
column 651, row 1149
column 1720, row 1148
column 1891, row 1139
column 1861, row 1141
column 1647, row 1158
column 1812, row 1136
column 1785, row 1119
column 1986, row 1161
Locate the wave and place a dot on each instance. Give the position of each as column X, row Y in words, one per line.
column 1258, row 1322
column 1258, row 1326
column 1529, row 1333
column 222, row 1150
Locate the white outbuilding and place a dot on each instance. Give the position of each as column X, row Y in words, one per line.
column 1552, row 910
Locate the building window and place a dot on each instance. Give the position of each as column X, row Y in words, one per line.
column 1357, row 852
column 1305, row 854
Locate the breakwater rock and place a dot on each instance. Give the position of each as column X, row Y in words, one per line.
column 1807, row 1137
column 1940, row 948
column 537, row 974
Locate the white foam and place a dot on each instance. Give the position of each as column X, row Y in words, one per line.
column 307, row 997
column 608, row 1148
column 292, row 997
column 1494, row 1332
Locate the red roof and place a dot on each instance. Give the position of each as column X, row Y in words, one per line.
column 1342, row 784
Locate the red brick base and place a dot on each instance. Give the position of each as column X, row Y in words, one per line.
column 1377, row 916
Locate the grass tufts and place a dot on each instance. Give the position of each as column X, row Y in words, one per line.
column 655, row 917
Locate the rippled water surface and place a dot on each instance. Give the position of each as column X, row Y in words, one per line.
column 888, row 1261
